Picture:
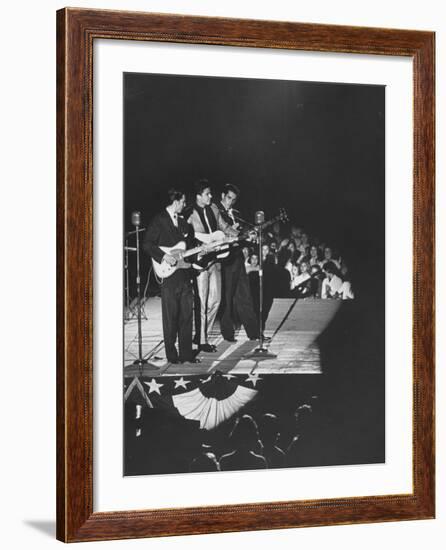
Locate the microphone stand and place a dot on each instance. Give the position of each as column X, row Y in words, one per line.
column 127, row 315
column 140, row 362
column 261, row 350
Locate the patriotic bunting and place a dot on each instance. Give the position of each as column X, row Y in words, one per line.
column 208, row 400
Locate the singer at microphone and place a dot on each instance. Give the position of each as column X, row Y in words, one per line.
column 236, row 301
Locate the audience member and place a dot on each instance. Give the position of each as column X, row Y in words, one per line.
column 300, row 283
column 244, row 440
column 346, row 291
column 302, row 451
column 296, row 263
column 314, row 258
column 331, row 285
column 269, row 434
column 205, row 462
column 328, row 257
column 267, row 257
column 252, row 263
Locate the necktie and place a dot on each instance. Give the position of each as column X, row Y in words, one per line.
column 207, row 221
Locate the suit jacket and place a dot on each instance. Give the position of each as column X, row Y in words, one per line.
column 163, row 232
column 224, row 214
column 236, row 257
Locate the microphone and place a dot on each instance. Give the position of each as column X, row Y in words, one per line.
column 136, row 219
column 259, row 217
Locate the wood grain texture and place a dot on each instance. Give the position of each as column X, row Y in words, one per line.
column 76, row 31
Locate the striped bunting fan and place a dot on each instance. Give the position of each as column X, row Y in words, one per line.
column 210, row 400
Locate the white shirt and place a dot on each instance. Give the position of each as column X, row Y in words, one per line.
column 173, row 217
column 331, row 286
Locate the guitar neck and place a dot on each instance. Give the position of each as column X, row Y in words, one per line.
column 263, row 226
column 271, row 222
column 192, row 251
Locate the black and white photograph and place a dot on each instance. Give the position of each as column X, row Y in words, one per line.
column 253, row 274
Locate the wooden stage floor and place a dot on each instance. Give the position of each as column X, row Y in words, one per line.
column 292, row 325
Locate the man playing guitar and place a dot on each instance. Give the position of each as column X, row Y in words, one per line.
column 168, row 229
column 236, row 296
column 206, row 219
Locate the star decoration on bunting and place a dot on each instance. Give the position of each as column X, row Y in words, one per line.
column 254, row 378
column 181, row 383
column 154, row 386
column 204, row 380
column 229, row 376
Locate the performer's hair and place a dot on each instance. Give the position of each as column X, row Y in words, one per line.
column 200, row 185
column 175, row 195
column 230, row 187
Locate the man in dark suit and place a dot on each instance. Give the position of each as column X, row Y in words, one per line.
column 167, row 229
column 236, row 300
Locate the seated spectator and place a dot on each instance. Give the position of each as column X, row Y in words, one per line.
column 346, row 291
column 269, row 434
column 303, row 449
column 328, row 257
column 289, row 267
column 313, row 258
column 302, row 249
column 253, row 263
column 293, row 253
column 273, row 250
column 287, row 252
column 332, row 283
column 299, row 280
column 283, row 253
column 206, row 462
column 267, row 257
column 244, row 439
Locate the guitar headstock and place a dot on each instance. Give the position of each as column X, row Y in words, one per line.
column 283, row 216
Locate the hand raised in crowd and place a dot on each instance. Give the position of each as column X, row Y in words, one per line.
column 284, row 243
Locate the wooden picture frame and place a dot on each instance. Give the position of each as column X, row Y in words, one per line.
column 76, row 31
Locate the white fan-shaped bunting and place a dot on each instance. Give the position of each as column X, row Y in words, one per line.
column 211, row 412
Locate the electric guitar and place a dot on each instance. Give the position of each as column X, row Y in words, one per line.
column 179, row 252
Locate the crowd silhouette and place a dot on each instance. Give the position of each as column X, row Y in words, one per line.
column 246, row 442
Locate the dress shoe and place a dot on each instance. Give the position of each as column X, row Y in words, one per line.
column 193, row 360
column 231, row 339
column 208, row 348
column 173, row 361
column 265, row 339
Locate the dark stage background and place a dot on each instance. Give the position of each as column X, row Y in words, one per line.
column 317, row 149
